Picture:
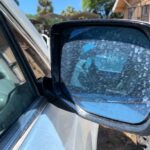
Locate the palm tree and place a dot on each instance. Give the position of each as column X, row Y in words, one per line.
column 46, row 17
column 45, row 7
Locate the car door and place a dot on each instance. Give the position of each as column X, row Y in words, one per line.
column 24, row 132
column 17, row 88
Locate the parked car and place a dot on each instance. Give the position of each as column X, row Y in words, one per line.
column 97, row 73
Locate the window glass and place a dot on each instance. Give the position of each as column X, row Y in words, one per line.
column 131, row 12
column 37, row 65
column 16, row 93
column 145, row 13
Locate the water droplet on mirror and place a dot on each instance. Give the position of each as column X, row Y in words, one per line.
column 136, row 50
column 145, row 98
column 148, row 104
column 139, row 59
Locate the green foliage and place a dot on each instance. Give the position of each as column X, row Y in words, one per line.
column 45, row 3
column 117, row 15
column 89, row 5
column 84, row 15
column 45, row 17
column 71, row 14
column 70, row 11
column 101, row 7
column 45, row 7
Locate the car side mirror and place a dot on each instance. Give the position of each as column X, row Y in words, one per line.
column 102, row 69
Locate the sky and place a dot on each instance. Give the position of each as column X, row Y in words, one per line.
column 30, row 6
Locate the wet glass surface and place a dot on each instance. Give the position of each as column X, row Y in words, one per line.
column 106, row 70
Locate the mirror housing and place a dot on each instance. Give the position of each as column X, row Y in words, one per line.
column 119, row 50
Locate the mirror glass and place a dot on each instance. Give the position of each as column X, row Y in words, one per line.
column 106, row 70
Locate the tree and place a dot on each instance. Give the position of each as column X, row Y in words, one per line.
column 45, row 16
column 83, row 15
column 70, row 11
column 71, row 14
column 45, row 7
column 17, row 2
column 101, row 7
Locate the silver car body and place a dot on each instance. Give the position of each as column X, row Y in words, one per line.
column 53, row 128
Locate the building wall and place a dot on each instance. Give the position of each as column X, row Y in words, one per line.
column 138, row 10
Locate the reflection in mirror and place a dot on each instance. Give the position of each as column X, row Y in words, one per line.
column 106, row 70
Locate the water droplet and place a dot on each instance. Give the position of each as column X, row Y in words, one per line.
column 145, row 98
column 136, row 50
column 139, row 59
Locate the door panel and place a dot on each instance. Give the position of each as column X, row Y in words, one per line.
column 60, row 129
column 16, row 92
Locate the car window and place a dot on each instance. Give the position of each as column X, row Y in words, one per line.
column 16, row 93
column 36, row 63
